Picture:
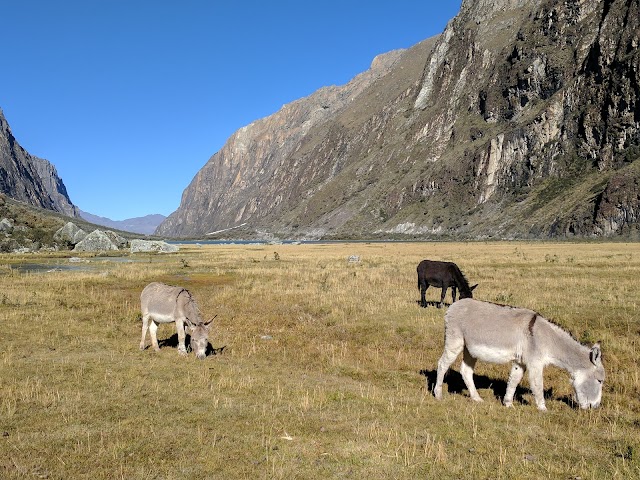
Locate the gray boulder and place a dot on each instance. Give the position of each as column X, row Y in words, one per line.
column 157, row 246
column 118, row 240
column 6, row 225
column 96, row 241
column 70, row 233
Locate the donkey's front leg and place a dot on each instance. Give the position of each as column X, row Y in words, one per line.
column 442, row 295
column 517, row 371
column 182, row 350
column 454, row 292
column 536, row 384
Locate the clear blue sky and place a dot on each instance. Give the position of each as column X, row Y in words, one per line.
column 130, row 98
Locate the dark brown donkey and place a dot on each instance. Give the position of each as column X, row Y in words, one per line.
column 443, row 275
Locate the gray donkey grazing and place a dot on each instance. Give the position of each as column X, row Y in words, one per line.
column 167, row 304
column 501, row 334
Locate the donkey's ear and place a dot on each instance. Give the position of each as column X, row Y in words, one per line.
column 596, row 354
column 207, row 323
column 474, row 287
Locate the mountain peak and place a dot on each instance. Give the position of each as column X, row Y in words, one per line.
column 30, row 179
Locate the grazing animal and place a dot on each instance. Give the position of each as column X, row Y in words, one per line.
column 501, row 334
column 443, row 275
column 167, row 304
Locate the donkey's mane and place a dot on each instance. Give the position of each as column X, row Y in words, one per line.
column 460, row 278
column 556, row 326
column 191, row 301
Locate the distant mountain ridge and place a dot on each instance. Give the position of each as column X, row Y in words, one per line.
column 145, row 225
column 521, row 120
column 35, row 181
column 30, row 179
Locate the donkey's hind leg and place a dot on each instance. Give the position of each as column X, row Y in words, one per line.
column 145, row 327
column 466, row 370
column 153, row 331
column 452, row 348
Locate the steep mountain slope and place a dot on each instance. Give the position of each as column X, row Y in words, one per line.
column 30, row 179
column 520, row 120
column 256, row 169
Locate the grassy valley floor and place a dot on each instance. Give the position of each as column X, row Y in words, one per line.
column 320, row 367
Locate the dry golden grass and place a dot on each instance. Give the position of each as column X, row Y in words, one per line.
column 324, row 370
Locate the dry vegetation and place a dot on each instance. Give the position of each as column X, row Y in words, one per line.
column 323, row 372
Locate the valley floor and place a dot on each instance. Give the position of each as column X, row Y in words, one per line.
column 319, row 366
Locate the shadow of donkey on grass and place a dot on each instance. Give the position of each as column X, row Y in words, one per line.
column 456, row 385
column 172, row 342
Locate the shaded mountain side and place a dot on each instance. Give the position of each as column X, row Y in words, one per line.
column 30, row 179
column 520, row 120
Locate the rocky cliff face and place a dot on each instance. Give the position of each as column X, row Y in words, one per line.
column 520, row 120
column 30, row 179
column 256, row 170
